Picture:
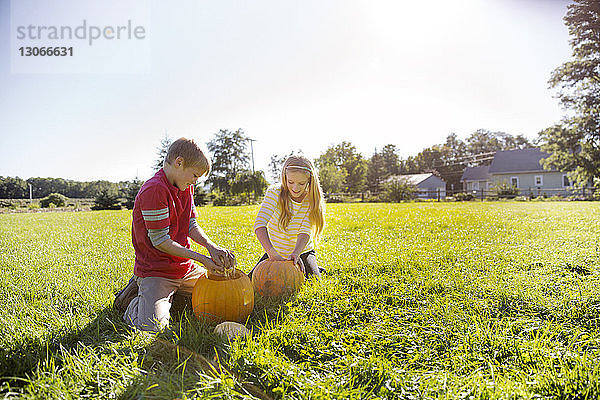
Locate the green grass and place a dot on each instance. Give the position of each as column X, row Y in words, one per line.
column 422, row 300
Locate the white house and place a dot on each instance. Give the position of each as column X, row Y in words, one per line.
column 429, row 186
column 520, row 169
column 476, row 178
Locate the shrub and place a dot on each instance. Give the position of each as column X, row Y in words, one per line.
column 334, row 199
column 218, row 198
column 399, row 189
column 200, row 196
column 596, row 189
column 57, row 199
column 464, row 196
column 505, row 191
column 106, row 201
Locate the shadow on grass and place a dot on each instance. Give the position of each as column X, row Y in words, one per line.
column 177, row 359
column 23, row 359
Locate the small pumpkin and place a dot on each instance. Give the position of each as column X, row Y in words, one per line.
column 275, row 278
column 217, row 298
column 231, row 330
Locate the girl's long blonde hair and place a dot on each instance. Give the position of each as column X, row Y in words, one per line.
column 316, row 213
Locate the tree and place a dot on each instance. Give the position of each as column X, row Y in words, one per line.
column 13, row 188
column 131, row 190
column 458, row 148
column 106, row 200
column 376, row 172
column 161, row 152
column 484, row 141
column 429, row 159
column 248, row 182
column 381, row 166
column 345, row 157
column 229, row 154
column 332, row 178
column 574, row 144
column 391, row 160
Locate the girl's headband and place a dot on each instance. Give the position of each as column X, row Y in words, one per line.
column 299, row 167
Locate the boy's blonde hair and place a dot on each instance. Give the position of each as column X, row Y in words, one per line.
column 192, row 154
column 316, row 213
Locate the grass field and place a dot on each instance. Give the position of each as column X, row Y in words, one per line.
column 421, row 300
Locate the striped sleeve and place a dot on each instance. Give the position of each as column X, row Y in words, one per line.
column 157, row 236
column 155, row 210
column 267, row 209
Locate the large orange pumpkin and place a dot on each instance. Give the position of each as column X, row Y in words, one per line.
column 276, row 278
column 218, row 298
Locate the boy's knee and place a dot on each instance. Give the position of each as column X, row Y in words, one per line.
column 148, row 317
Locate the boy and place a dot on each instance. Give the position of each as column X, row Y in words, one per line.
column 164, row 216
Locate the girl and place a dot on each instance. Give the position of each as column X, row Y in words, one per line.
column 291, row 217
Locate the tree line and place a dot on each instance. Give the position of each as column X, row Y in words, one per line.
column 342, row 169
column 17, row 188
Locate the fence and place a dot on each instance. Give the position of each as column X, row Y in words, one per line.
column 586, row 193
column 581, row 193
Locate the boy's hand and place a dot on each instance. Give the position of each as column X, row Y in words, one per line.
column 297, row 261
column 212, row 267
column 222, row 257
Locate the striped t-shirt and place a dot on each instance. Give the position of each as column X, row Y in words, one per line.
column 284, row 240
column 161, row 211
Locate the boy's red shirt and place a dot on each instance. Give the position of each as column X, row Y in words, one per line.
column 160, row 205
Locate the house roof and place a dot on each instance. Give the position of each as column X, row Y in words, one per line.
column 415, row 179
column 523, row 160
column 480, row 173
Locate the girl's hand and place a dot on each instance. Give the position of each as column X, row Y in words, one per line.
column 297, row 261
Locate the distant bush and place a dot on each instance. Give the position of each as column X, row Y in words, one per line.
column 131, row 192
column 218, row 198
column 200, row 196
column 464, row 196
column 106, row 200
column 56, row 199
column 505, row 191
column 399, row 189
column 334, row 199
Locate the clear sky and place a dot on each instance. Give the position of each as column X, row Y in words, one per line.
column 293, row 74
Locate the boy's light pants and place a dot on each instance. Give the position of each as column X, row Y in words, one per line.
column 149, row 311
